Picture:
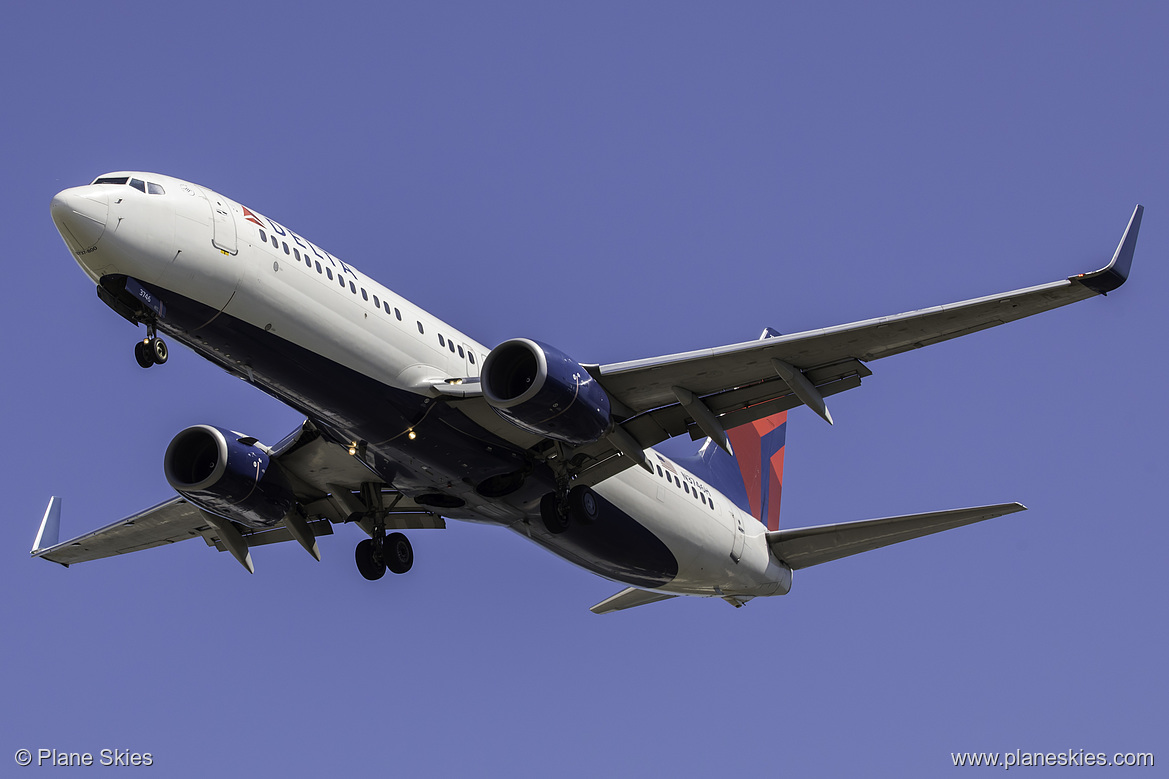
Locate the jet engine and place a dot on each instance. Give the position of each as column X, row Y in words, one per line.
column 544, row 391
column 229, row 475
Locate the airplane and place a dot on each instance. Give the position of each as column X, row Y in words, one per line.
column 410, row 422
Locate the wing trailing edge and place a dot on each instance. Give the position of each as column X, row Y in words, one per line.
column 803, row 547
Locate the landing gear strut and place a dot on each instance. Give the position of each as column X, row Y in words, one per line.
column 382, row 550
column 152, row 350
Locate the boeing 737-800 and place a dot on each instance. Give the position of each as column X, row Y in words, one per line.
column 410, row 422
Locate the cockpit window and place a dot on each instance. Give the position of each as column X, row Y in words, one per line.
column 148, row 187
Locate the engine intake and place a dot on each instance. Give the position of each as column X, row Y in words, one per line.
column 228, row 475
column 542, row 390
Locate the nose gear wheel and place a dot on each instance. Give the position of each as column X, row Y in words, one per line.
column 152, row 350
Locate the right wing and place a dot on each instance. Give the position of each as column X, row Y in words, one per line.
column 167, row 523
column 324, row 479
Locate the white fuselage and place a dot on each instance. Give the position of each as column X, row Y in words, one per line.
column 194, row 243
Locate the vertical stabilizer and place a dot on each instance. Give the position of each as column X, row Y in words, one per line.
column 759, row 448
column 753, row 478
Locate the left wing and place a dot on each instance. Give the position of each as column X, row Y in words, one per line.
column 324, row 479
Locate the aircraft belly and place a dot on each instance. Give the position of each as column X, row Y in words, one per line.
column 665, row 514
column 701, row 540
column 615, row 545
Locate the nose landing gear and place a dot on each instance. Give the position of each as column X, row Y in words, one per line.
column 152, row 350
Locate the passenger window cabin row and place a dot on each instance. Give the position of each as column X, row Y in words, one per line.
column 151, row 188
column 353, row 288
column 681, row 484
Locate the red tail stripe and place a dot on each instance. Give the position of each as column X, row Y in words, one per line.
column 745, row 442
column 775, row 489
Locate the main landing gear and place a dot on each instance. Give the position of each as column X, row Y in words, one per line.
column 152, row 350
column 381, row 550
column 559, row 510
column 375, row 555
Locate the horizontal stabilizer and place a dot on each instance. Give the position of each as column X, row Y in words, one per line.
column 802, row 547
column 627, row 599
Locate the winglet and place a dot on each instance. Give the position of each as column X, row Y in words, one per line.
column 50, row 533
column 1115, row 273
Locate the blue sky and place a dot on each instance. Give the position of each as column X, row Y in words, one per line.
column 620, row 180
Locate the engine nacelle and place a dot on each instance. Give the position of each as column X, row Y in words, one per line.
column 225, row 474
column 544, row 391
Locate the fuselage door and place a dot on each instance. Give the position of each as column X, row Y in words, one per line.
column 223, row 223
column 740, row 537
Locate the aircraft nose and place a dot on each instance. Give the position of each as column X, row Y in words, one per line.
column 80, row 214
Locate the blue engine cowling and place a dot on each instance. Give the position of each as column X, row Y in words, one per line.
column 226, row 474
column 543, row 391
